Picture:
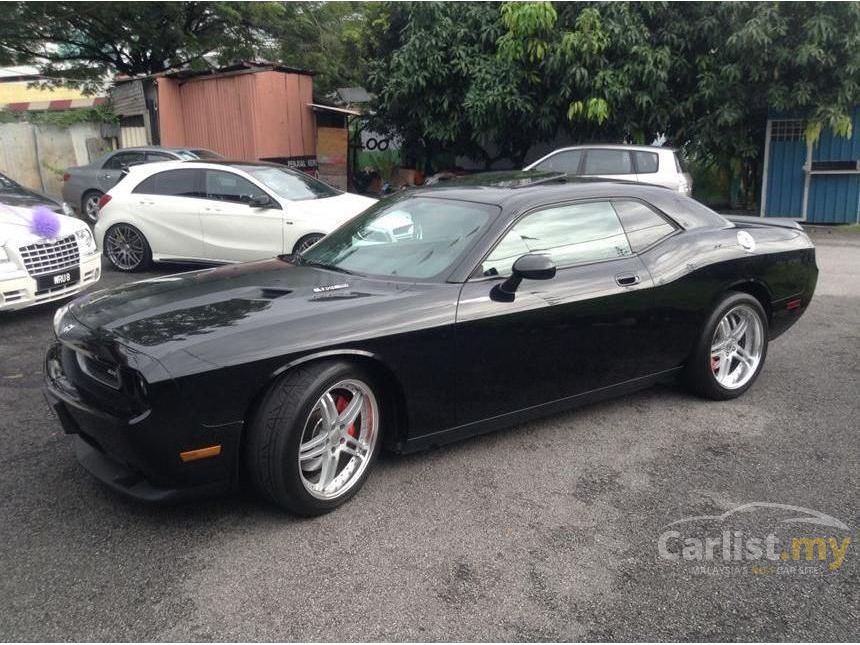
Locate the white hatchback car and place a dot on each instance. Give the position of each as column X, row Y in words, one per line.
column 217, row 212
column 36, row 269
column 643, row 164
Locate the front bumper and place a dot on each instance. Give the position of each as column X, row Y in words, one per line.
column 18, row 290
column 139, row 455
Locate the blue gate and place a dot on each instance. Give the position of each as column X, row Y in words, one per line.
column 785, row 176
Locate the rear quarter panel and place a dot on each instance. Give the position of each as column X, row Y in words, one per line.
column 694, row 269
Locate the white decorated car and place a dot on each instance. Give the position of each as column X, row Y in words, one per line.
column 44, row 256
column 195, row 211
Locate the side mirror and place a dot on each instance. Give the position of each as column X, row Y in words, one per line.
column 527, row 267
column 260, row 201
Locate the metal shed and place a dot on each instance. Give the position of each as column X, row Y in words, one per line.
column 817, row 183
column 246, row 111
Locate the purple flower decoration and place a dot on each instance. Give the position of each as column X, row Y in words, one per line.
column 45, row 222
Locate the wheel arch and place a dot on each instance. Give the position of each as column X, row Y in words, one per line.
column 393, row 395
column 758, row 290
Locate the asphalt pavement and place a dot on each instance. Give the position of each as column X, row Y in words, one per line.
column 545, row 531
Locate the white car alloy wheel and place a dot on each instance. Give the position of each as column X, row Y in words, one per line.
column 338, row 439
column 126, row 248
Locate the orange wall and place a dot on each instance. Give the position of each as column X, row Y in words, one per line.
column 244, row 116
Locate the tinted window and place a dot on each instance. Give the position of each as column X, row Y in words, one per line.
column 565, row 161
column 159, row 156
column 405, row 237
column 175, row 183
column 568, row 234
column 642, row 224
column 290, row 184
column 228, row 187
column 646, row 162
column 608, row 162
column 123, row 159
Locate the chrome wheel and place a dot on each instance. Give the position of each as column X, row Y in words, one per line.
column 125, row 247
column 338, row 439
column 91, row 206
column 306, row 242
column 737, row 347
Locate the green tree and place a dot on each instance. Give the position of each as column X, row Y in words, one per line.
column 80, row 43
column 324, row 37
column 488, row 80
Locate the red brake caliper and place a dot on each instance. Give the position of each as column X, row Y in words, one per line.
column 340, row 404
column 715, row 363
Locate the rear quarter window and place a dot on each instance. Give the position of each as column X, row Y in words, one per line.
column 643, row 225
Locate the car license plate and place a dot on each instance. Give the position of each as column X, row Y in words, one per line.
column 59, row 279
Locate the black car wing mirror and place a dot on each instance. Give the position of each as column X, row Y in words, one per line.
column 527, row 267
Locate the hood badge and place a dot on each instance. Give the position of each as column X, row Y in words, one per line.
column 331, row 287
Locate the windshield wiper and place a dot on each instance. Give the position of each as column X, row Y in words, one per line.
column 325, row 265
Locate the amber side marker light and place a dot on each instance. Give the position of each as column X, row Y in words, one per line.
column 200, row 453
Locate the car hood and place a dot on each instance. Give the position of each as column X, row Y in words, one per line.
column 27, row 199
column 242, row 312
column 339, row 208
column 15, row 226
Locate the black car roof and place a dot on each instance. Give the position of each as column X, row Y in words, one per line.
column 522, row 190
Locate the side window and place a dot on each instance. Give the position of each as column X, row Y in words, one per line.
column 228, row 187
column 158, row 156
column 646, row 162
column 173, row 183
column 566, row 161
column 608, row 162
column 122, row 160
column 568, row 234
column 643, row 225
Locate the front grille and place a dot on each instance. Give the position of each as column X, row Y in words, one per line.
column 47, row 257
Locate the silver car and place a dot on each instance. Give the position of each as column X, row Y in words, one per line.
column 643, row 164
column 83, row 186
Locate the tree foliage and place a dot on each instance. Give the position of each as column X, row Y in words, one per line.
column 82, row 43
column 489, row 80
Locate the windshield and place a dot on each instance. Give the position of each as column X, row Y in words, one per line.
column 407, row 237
column 7, row 184
column 291, row 184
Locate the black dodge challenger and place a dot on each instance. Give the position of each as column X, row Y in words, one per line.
column 434, row 315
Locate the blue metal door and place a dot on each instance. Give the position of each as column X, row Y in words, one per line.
column 785, row 174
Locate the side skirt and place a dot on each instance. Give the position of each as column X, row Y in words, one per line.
column 534, row 412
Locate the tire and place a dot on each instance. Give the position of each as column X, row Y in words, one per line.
column 127, row 249
column 307, row 242
column 289, row 428
column 90, row 205
column 725, row 362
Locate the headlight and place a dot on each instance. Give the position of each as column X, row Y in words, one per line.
column 86, row 243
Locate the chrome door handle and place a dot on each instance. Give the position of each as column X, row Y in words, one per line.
column 627, row 279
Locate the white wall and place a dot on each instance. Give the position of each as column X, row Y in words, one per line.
column 37, row 155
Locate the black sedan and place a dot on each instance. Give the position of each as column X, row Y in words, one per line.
column 14, row 194
column 434, row 315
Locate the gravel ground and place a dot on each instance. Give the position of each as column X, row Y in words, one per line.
column 546, row 531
